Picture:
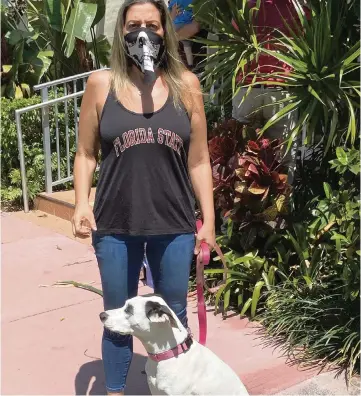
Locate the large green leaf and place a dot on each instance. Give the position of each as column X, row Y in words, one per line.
column 79, row 24
column 100, row 10
column 100, row 49
column 41, row 64
column 17, row 35
column 7, row 24
column 222, row 271
column 52, row 9
column 246, row 306
column 255, row 297
column 18, row 54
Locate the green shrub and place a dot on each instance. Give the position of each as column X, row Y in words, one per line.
column 314, row 327
column 33, row 148
column 304, row 283
column 32, row 138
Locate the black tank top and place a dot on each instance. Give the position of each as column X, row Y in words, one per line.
column 144, row 186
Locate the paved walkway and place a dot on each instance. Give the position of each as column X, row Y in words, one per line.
column 51, row 336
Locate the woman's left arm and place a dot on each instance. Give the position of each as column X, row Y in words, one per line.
column 199, row 164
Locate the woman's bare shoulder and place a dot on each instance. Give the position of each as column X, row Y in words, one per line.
column 99, row 79
column 191, row 80
column 97, row 89
column 193, row 99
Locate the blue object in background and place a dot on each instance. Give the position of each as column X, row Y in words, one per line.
column 186, row 16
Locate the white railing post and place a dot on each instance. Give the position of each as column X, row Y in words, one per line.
column 24, row 184
column 46, row 141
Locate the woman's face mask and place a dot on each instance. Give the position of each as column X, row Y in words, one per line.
column 146, row 50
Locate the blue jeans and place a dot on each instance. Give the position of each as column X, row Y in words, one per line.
column 120, row 259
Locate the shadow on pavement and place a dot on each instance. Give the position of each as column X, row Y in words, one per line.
column 90, row 378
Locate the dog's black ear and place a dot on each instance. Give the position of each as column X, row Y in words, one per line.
column 159, row 313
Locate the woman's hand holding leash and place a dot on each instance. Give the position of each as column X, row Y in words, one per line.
column 206, row 234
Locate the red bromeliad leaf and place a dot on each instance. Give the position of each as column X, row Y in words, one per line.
column 216, row 174
column 253, row 146
column 242, row 161
column 252, row 159
column 256, row 189
column 221, row 147
column 265, row 143
column 220, row 176
column 246, row 181
column 233, row 161
column 252, row 168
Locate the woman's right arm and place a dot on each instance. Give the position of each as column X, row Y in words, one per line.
column 87, row 155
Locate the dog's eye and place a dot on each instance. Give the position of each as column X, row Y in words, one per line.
column 129, row 309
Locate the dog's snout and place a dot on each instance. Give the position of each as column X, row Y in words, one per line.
column 103, row 316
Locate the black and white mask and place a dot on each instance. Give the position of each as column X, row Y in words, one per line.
column 146, row 50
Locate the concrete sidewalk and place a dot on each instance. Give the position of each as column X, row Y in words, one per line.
column 51, row 335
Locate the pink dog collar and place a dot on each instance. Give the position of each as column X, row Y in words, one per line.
column 175, row 352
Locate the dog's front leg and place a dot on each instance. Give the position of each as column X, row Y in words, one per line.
column 153, row 387
column 151, row 371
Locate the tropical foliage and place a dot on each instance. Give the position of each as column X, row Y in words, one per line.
column 308, row 269
column 250, row 184
column 11, row 193
column 323, row 51
column 292, row 254
column 50, row 39
column 318, row 307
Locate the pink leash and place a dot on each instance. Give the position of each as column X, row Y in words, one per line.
column 202, row 260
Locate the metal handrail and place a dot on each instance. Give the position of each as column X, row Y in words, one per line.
column 49, row 102
column 18, row 113
column 65, row 80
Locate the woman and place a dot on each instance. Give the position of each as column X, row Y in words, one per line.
column 147, row 116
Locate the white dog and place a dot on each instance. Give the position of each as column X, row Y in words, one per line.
column 177, row 364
